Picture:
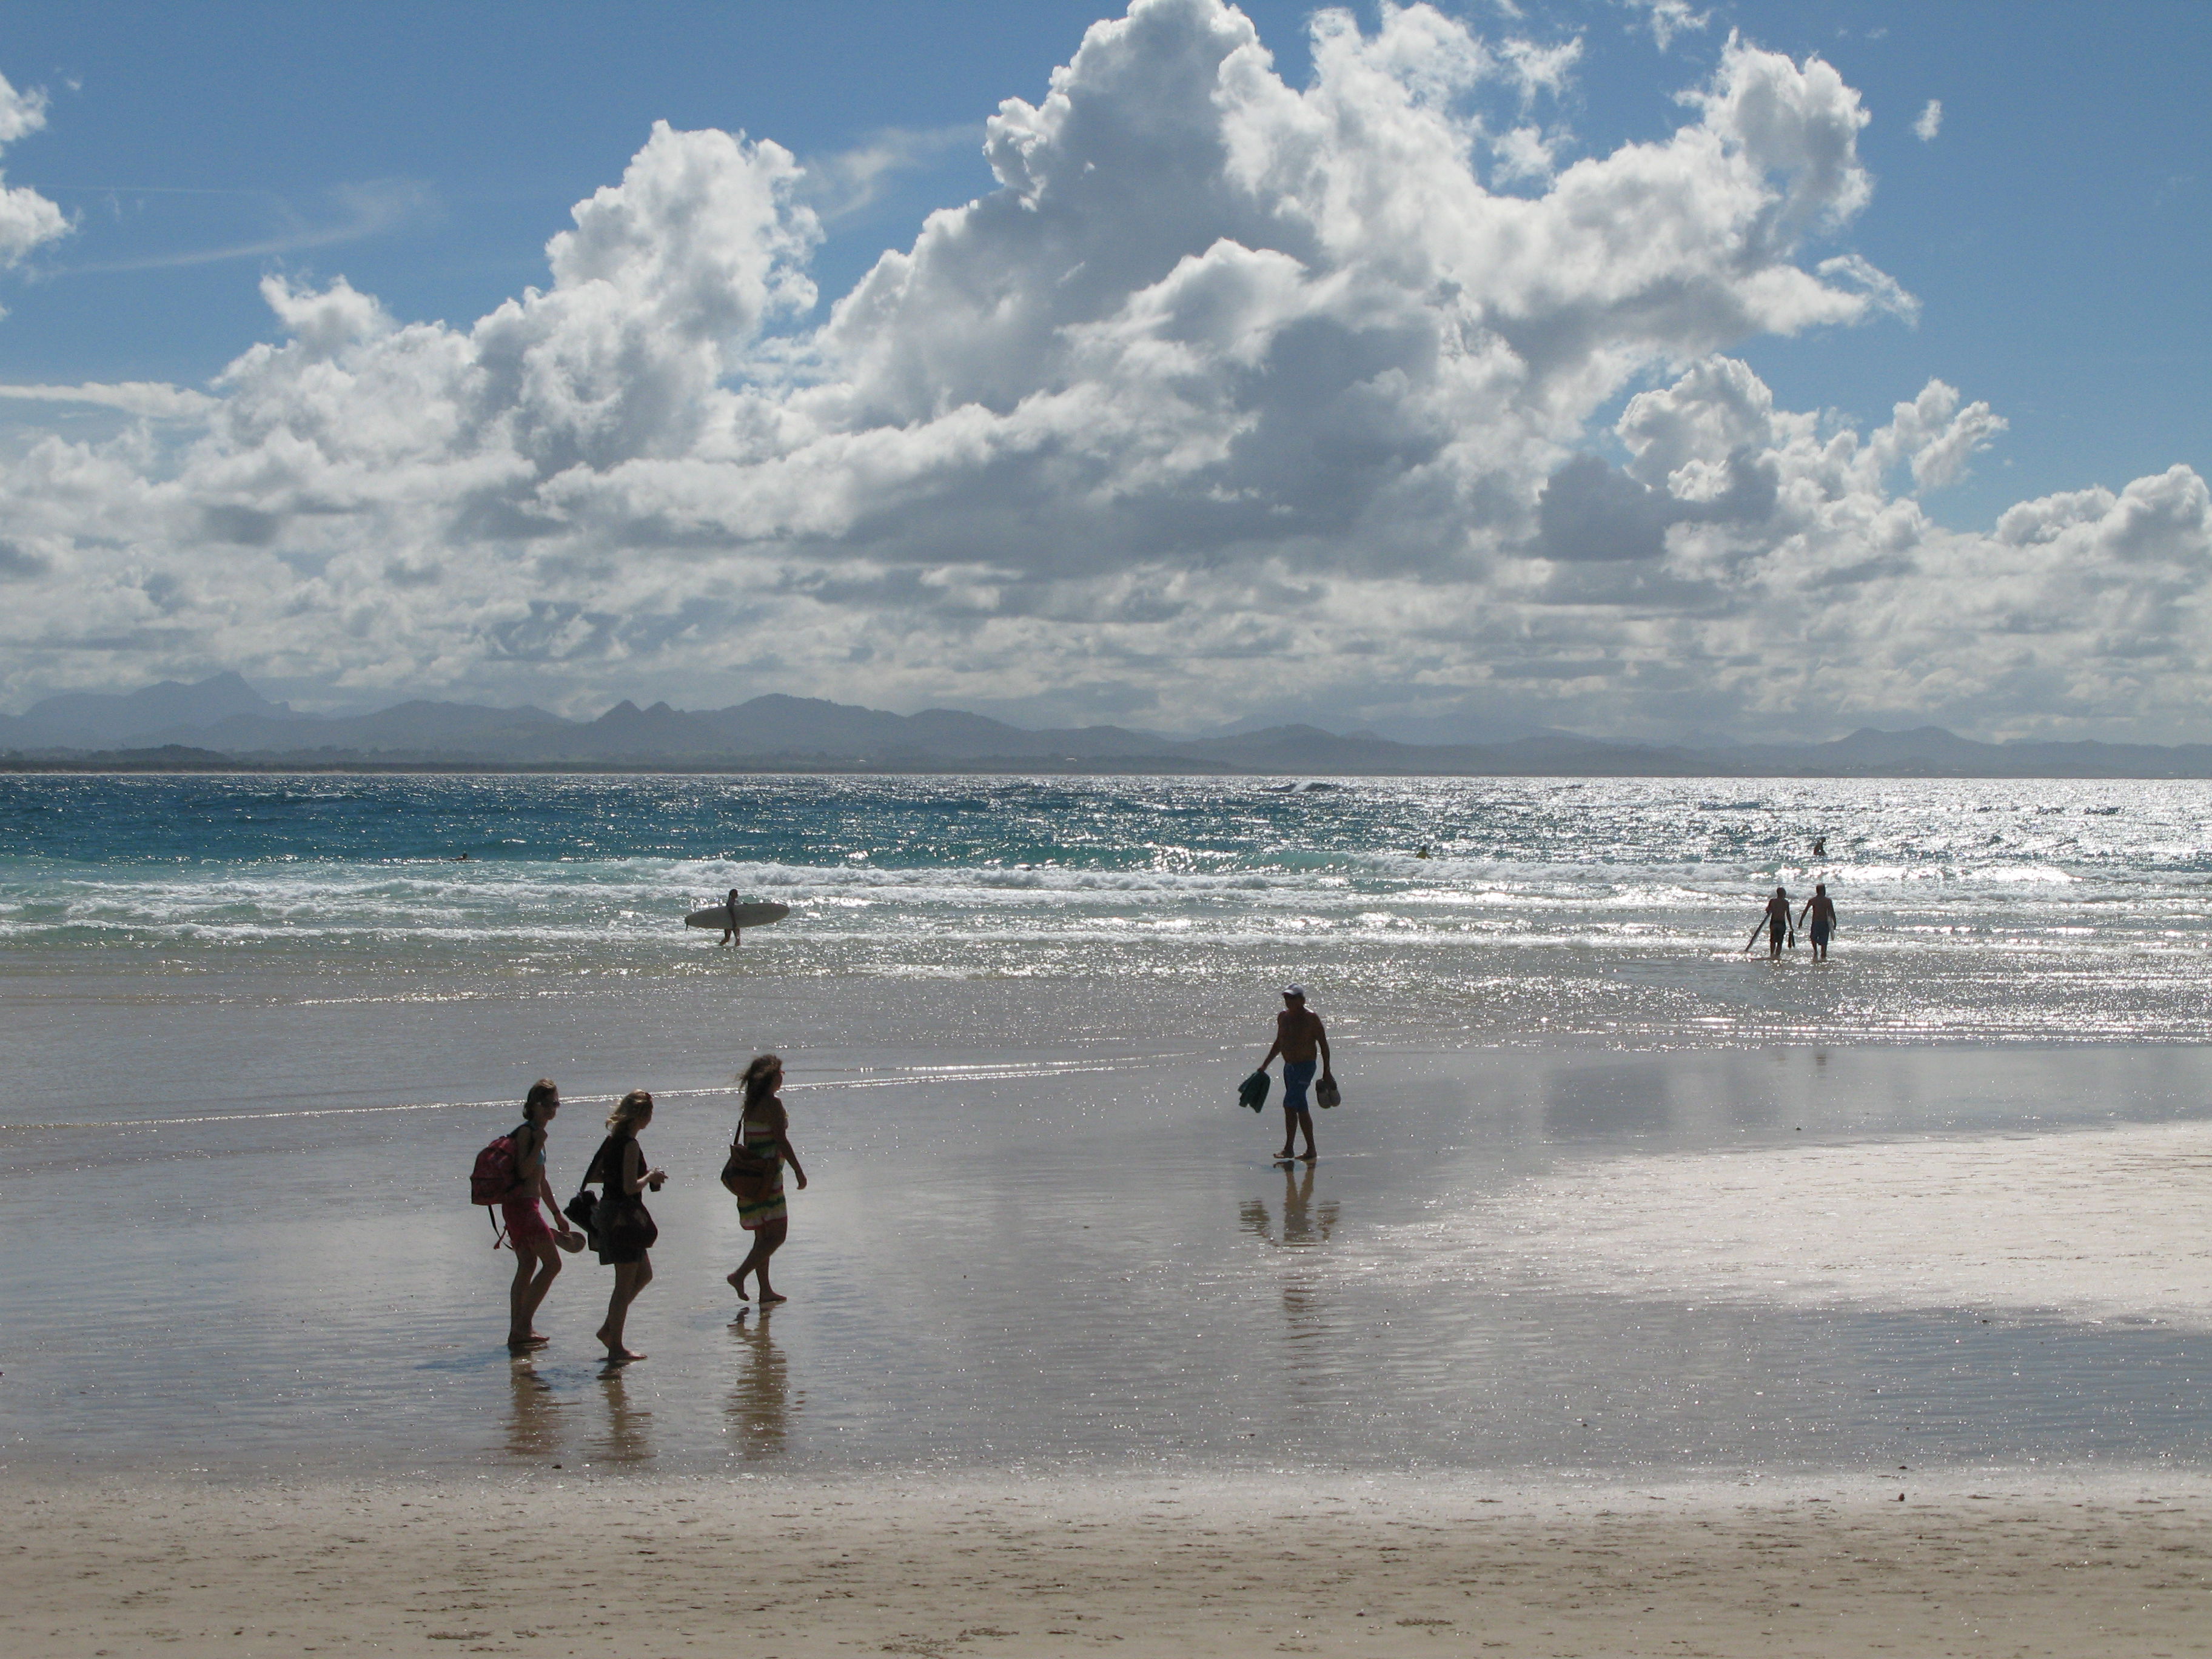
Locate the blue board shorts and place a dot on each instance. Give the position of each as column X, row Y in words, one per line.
column 1295, row 1079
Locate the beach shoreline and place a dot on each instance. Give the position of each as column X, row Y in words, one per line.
column 1070, row 1363
column 2115, row 1561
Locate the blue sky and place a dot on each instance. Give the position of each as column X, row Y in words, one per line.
column 2053, row 231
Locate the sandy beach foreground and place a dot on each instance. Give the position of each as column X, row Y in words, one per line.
column 1193, row 1567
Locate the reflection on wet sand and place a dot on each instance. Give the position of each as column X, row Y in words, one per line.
column 533, row 1424
column 629, row 1437
column 762, row 1404
column 1303, row 1223
column 1310, row 1359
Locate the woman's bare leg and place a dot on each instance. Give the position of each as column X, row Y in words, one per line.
column 630, row 1278
column 767, row 1240
column 534, row 1269
column 549, row 1269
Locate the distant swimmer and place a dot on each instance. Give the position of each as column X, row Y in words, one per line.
column 731, row 934
column 1819, row 846
column 1299, row 1037
column 1423, row 852
column 1819, row 920
column 1776, row 921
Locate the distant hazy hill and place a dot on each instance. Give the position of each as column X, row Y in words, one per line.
column 1930, row 751
column 224, row 717
column 409, row 729
column 100, row 719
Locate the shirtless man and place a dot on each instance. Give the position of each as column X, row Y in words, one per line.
column 1776, row 923
column 1819, row 920
column 731, row 935
column 1299, row 1037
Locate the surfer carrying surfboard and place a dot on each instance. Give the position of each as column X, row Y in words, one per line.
column 1776, row 923
column 730, row 916
column 1299, row 1037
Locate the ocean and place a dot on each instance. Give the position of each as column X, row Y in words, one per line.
column 1607, row 908
column 1606, row 1194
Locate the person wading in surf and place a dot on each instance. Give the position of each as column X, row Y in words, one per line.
column 1776, row 921
column 1819, row 920
column 1299, row 1037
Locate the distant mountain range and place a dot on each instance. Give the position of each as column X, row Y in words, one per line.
column 223, row 722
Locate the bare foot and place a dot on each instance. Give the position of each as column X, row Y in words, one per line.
column 737, row 1282
column 767, row 1295
column 1284, row 1156
column 619, row 1356
column 527, row 1340
column 1309, row 1158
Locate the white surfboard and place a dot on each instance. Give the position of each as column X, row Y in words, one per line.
column 718, row 916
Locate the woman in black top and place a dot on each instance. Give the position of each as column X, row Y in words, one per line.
column 623, row 1229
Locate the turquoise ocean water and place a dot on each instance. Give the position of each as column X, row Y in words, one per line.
column 1544, row 904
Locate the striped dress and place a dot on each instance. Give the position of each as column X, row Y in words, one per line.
column 762, row 1201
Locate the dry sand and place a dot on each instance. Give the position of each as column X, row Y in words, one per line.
column 2096, row 1224
column 751, row 1568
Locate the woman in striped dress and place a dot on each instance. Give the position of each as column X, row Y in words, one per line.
column 754, row 1174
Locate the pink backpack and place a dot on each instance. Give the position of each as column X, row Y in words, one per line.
column 494, row 1178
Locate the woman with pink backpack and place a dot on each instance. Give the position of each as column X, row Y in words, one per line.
column 537, row 1259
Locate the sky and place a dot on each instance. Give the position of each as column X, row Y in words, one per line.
column 1633, row 367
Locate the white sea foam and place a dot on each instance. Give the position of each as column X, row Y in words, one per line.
column 1972, row 908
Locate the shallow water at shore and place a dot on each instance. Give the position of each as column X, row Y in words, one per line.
column 257, row 1051
column 1045, row 1255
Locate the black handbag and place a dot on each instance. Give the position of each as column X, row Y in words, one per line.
column 580, row 1208
column 616, row 1220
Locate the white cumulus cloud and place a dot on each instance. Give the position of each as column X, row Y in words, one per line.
column 1929, row 122
column 27, row 218
column 1668, row 18
column 1231, row 395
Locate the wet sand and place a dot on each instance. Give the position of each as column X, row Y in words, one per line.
column 1632, row 1266
column 765, row 1566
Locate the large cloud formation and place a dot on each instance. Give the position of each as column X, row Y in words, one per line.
column 1232, row 397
